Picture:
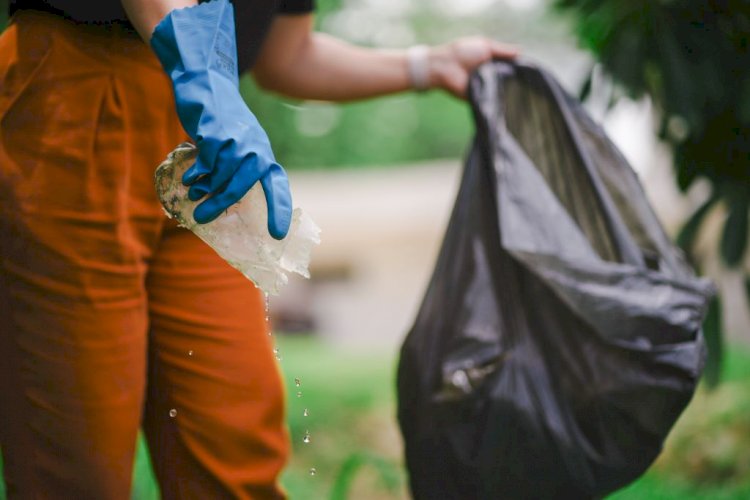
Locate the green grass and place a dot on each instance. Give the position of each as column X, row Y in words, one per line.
column 352, row 424
column 355, row 446
column 354, row 438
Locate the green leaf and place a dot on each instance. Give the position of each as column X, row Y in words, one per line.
column 734, row 237
column 685, row 166
column 713, row 336
column 689, row 230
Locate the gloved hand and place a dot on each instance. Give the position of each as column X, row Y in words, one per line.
column 198, row 50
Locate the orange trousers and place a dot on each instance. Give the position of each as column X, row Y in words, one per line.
column 111, row 317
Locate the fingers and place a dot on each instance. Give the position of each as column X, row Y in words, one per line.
column 472, row 51
column 199, row 189
column 246, row 175
column 503, row 51
column 279, row 201
column 275, row 187
column 467, row 55
column 456, row 82
column 236, row 184
column 198, row 170
column 230, row 162
column 217, row 178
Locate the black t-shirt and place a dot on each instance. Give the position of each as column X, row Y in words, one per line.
column 252, row 17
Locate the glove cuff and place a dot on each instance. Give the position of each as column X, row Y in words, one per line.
column 197, row 39
column 198, row 50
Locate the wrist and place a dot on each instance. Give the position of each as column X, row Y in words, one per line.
column 418, row 67
column 427, row 66
column 438, row 66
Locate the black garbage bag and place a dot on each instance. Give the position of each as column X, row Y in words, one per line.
column 560, row 336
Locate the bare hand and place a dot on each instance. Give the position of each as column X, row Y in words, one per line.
column 451, row 64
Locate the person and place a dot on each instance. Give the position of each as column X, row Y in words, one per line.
column 112, row 317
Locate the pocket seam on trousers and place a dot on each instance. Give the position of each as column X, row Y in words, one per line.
column 8, row 102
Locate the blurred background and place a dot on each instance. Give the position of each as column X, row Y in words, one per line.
column 670, row 82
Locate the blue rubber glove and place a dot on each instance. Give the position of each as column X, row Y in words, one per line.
column 198, row 49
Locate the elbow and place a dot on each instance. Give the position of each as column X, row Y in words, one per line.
column 279, row 72
column 279, row 79
column 279, row 84
column 283, row 83
column 267, row 81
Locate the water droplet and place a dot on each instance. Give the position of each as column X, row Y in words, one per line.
column 305, row 413
column 306, row 437
column 172, row 413
column 299, row 394
column 313, row 471
column 278, row 357
column 275, row 350
column 297, row 382
column 190, row 352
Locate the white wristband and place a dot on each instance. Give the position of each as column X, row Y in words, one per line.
column 419, row 70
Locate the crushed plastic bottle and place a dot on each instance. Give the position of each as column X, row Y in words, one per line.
column 240, row 235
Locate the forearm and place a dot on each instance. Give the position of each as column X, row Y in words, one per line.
column 298, row 63
column 325, row 68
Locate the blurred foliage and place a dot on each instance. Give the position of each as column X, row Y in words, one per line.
column 692, row 57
